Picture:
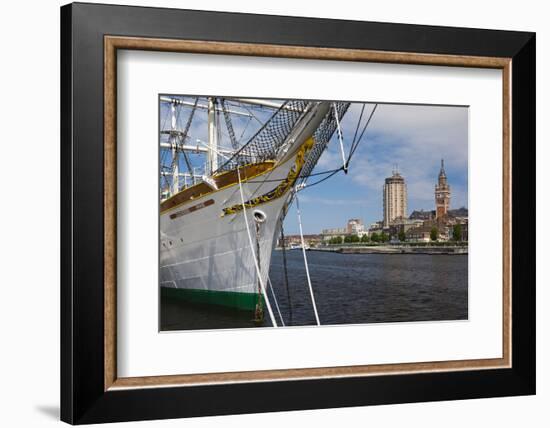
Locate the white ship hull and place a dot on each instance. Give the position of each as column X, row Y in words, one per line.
column 205, row 248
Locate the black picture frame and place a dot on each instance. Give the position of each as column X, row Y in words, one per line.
column 83, row 397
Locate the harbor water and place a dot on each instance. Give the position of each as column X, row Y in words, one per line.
column 349, row 289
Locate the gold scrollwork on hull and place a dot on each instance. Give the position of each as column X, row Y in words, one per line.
column 283, row 186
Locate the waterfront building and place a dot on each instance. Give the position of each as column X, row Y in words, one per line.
column 419, row 234
column 401, row 224
column 395, row 198
column 460, row 215
column 355, row 226
column 376, row 227
column 328, row 234
column 337, row 231
column 464, row 230
column 422, row 215
column 293, row 241
column 442, row 194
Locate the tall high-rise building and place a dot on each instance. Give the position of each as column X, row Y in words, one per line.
column 442, row 193
column 395, row 198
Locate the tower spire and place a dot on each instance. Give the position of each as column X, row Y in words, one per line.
column 442, row 170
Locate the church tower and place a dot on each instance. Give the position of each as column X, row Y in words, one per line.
column 442, row 194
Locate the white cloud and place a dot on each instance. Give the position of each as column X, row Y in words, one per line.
column 415, row 138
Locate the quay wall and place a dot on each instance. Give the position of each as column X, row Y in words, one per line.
column 395, row 249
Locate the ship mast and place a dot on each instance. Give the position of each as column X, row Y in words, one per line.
column 212, row 154
column 180, row 143
column 175, row 154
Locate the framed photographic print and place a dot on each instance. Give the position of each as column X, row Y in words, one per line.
column 272, row 213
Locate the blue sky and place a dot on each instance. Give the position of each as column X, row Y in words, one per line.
column 415, row 137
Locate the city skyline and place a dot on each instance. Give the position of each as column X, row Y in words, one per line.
column 416, row 138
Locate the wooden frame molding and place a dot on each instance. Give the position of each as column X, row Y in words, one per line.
column 113, row 43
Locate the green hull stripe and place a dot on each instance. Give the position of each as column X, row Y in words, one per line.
column 229, row 299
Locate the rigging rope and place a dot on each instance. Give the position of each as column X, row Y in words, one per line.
column 269, row 138
column 275, row 300
column 305, row 260
column 208, row 146
column 354, row 146
column 285, row 270
column 358, row 124
column 321, row 180
column 264, row 292
column 244, row 130
column 305, row 176
column 340, row 138
column 229, row 126
column 252, row 115
column 356, row 143
column 183, row 137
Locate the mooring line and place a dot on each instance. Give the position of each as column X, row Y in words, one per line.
column 305, row 259
column 264, row 291
column 275, row 300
